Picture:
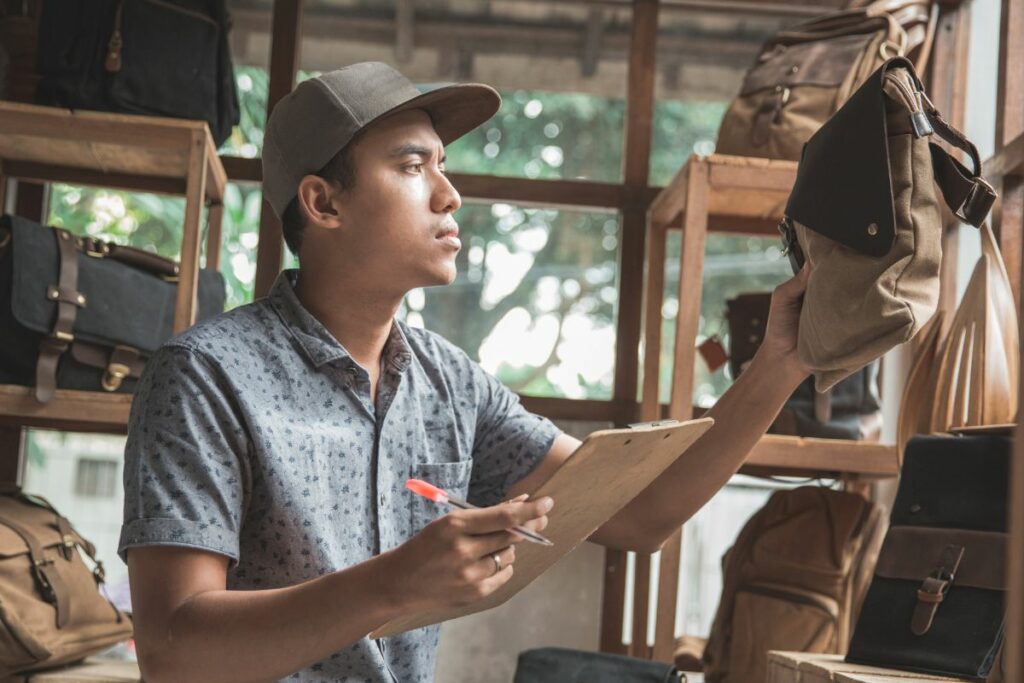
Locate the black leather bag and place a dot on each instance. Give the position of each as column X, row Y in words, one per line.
column 849, row 410
column 936, row 599
column 157, row 57
column 77, row 313
column 559, row 665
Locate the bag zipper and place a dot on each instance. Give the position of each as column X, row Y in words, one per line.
column 914, row 101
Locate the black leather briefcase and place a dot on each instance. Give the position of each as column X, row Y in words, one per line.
column 78, row 313
column 936, row 599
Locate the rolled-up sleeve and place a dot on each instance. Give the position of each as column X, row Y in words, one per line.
column 186, row 471
column 509, row 441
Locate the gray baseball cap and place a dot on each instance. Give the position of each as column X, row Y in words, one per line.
column 313, row 122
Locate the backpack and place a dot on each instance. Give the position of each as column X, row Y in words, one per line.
column 157, row 57
column 794, row 580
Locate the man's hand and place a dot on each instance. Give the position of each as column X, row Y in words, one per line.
column 779, row 345
column 451, row 561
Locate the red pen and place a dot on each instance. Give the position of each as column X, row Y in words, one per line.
column 431, row 492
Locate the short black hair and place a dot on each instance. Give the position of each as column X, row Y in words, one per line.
column 341, row 169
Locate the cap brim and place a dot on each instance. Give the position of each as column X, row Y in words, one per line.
column 454, row 109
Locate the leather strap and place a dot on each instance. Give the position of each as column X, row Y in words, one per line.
column 69, row 299
column 966, row 193
column 934, row 588
column 49, row 582
column 823, row 405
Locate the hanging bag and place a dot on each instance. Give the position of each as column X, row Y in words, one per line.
column 865, row 213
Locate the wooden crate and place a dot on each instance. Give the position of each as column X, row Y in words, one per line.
column 806, row 667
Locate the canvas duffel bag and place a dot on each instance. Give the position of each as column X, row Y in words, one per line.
column 806, row 72
column 865, row 213
column 52, row 611
column 78, row 313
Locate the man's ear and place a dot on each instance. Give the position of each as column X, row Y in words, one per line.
column 318, row 200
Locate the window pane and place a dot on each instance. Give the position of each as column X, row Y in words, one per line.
column 563, row 106
column 535, row 298
column 153, row 222
column 733, row 265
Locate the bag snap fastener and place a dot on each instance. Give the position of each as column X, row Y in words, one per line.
column 872, row 229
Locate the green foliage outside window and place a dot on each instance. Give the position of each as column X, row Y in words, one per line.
column 531, row 279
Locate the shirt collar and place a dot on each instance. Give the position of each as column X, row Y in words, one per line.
column 315, row 340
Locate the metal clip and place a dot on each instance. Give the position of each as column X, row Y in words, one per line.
column 652, row 424
column 115, row 374
column 922, row 126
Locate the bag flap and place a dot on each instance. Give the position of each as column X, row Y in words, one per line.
column 956, row 482
column 823, row 63
column 911, row 553
column 843, row 184
column 42, row 523
column 112, row 290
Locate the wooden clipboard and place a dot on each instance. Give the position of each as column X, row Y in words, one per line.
column 609, row 469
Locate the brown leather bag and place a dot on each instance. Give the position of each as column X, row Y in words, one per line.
column 794, row 580
column 806, row 72
column 51, row 608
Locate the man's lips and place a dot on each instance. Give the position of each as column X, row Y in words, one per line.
column 451, row 231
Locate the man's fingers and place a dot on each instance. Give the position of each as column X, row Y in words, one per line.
column 485, row 544
column 504, row 516
column 493, row 583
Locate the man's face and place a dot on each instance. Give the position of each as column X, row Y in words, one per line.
column 398, row 227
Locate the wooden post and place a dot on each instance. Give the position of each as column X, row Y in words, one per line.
column 1009, row 217
column 12, row 454
column 947, row 87
column 214, row 227
column 636, row 163
column 284, row 60
column 195, row 194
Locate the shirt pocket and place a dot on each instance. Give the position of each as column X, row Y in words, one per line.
column 453, row 477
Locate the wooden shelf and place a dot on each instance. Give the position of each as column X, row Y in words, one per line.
column 740, row 194
column 144, row 153
column 1009, row 160
column 74, row 411
column 831, row 458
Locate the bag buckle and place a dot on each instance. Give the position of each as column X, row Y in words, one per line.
column 95, row 247
column 934, row 588
column 978, row 203
column 115, row 374
column 791, row 245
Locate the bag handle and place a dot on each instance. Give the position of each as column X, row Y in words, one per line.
column 138, row 258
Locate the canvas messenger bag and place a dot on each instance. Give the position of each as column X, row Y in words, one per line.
column 865, row 213
column 52, row 610
column 80, row 313
column 806, row 72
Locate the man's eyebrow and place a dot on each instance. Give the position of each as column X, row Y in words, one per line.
column 412, row 149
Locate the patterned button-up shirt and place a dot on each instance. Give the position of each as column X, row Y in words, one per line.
column 253, row 435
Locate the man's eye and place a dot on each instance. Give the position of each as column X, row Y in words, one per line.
column 414, row 167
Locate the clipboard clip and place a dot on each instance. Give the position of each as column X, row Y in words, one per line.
column 652, row 424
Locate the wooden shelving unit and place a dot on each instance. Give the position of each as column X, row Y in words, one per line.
column 150, row 154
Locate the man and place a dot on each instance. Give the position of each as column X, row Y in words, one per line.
column 266, row 527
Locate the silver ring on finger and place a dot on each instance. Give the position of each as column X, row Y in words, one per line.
column 497, row 562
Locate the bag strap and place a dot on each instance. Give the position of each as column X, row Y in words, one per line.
column 49, row 582
column 924, row 50
column 69, row 300
column 967, row 194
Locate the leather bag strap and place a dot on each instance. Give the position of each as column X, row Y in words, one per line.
column 69, row 299
column 49, row 582
column 934, row 588
column 966, row 193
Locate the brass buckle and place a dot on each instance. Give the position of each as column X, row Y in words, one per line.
column 115, row 374
column 94, row 247
column 65, row 337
